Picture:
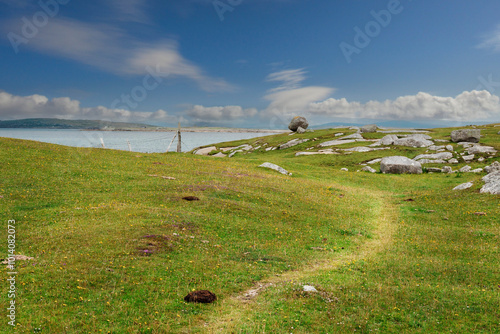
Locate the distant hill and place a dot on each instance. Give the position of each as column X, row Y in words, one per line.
column 54, row 123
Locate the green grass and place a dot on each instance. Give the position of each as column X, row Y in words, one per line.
column 116, row 247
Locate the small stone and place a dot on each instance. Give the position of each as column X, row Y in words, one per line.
column 309, row 288
column 344, row 169
column 368, row 169
column 464, row 186
column 447, row 169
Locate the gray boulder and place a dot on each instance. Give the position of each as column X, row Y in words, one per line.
column 388, row 140
column 449, row 148
column 494, row 167
column 400, row 165
column 276, row 168
column 431, row 161
column 369, row 128
column 492, row 184
column 434, row 170
column 466, row 135
column 298, row 121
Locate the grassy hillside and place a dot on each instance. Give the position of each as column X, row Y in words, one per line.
column 116, row 248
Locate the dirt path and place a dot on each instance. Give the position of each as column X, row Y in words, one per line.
column 239, row 306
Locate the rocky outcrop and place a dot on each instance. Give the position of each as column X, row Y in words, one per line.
column 400, row 165
column 441, row 156
column 416, row 140
column 466, row 135
column 276, row 168
column 481, row 149
column 297, row 122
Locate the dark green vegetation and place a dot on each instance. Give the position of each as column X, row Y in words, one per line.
column 54, row 123
column 116, row 248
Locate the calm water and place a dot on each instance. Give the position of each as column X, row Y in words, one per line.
column 140, row 141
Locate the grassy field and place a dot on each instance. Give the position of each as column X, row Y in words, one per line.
column 116, row 248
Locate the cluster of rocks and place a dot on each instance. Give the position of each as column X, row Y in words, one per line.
column 298, row 124
column 491, row 181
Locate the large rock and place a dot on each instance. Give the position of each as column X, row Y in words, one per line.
column 492, row 184
column 400, row 165
column 466, row 135
column 276, row 168
column 368, row 128
column 298, row 121
column 417, row 140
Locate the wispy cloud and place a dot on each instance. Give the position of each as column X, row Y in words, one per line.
column 467, row 106
column 290, row 79
column 289, row 99
column 111, row 49
column 491, row 40
column 130, row 10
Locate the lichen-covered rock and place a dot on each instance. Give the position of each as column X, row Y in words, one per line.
column 388, row 140
column 298, row 121
column 400, row 165
column 417, row 140
column 440, row 156
column 466, row 135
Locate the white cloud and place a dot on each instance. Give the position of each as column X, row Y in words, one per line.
column 492, row 40
column 290, row 102
column 39, row 106
column 219, row 114
column 111, row 49
column 473, row 105
column 289, row 99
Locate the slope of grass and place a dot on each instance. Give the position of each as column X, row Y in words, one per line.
column 116, row 247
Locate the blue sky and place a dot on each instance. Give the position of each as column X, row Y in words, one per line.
column 251, row 63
